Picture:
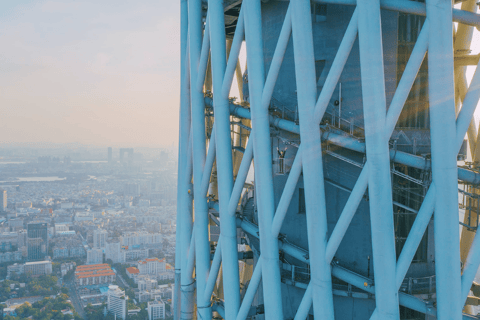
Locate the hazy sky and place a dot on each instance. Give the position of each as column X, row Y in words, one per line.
column 95, row 72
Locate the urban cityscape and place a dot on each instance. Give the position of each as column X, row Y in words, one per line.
column 87, row 233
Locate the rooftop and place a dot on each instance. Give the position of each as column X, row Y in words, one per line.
column 89, row 267
column 133, row 270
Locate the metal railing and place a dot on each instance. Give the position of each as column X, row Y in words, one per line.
column 425, row 285
column 294, row 273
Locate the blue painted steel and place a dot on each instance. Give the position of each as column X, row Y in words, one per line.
column 228, row 231
column 251, row 290
column 282, row 70
column 184, row 208
column 182, row 195
column 191, row 255
column 263, row 160
column 212, row 277
column 358, row 146
column 241, row 178
column 316, row 211
column 473, row 259
column 277, row 59
column 287, row 194
column 337, row 67
column 202, row 245
column 379, row 182
column 233, row 56
column 204, row 55
column 416, row 8
column 207, row 172
column 444, row 159
column 348, row 276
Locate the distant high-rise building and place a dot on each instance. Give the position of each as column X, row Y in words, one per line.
column 99, row 238
column 163, row 157
column 129, row 151
column 3, row 200
column 117, row 302
column 37, row 241
column 110, row 156
column 131, row 189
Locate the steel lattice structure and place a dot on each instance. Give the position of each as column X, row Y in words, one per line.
column 225, row 171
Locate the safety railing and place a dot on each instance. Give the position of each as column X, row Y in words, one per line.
column 425, row 285
column 294, row 273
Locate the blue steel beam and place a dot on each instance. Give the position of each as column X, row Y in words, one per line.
column 473, row 259
column 316, row 211
column 233, row 56
column 348, row 276
column 276, row 121
column 207, row 172
column 204, row 55
column 228, row 231
column 444, row 159
column 416, row 8
column 358, row 146
column 202, row 244
column 212, row 277
column 379, row 182
column 263, row 160
column 183, row 284
column 277, row 59
column 184, row 186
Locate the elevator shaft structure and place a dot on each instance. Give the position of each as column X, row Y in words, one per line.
column 351, row 115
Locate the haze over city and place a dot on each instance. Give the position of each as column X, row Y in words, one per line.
column 96, row 73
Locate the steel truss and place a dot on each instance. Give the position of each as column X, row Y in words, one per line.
column 448, row 128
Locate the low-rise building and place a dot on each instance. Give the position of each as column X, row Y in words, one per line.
column 34, row 268
column 65, row 267
column 88, row 275
column 129, row 254
column 60, row 252
column 10, row 256
column 147, row 284
column 38, row 267
column 94, row 256
column 132, row 273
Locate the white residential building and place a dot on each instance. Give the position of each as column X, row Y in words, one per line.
column 135, row 254
column 152, row 266
column 112, row 252
column 139, row 238
column 156, row 309
column 59, row 227
column 94, row 256
column 147, row 284
column 117, row 302
column 33, row 268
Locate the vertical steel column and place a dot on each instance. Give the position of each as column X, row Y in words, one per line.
column 473, row 259
column 263, row 161
column 184, row 224
column 202, row 244
column 444, row 158
column 313, row 179
column 379, row 182
column 228, row 230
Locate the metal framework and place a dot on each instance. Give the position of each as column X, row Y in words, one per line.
column 208, row 64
